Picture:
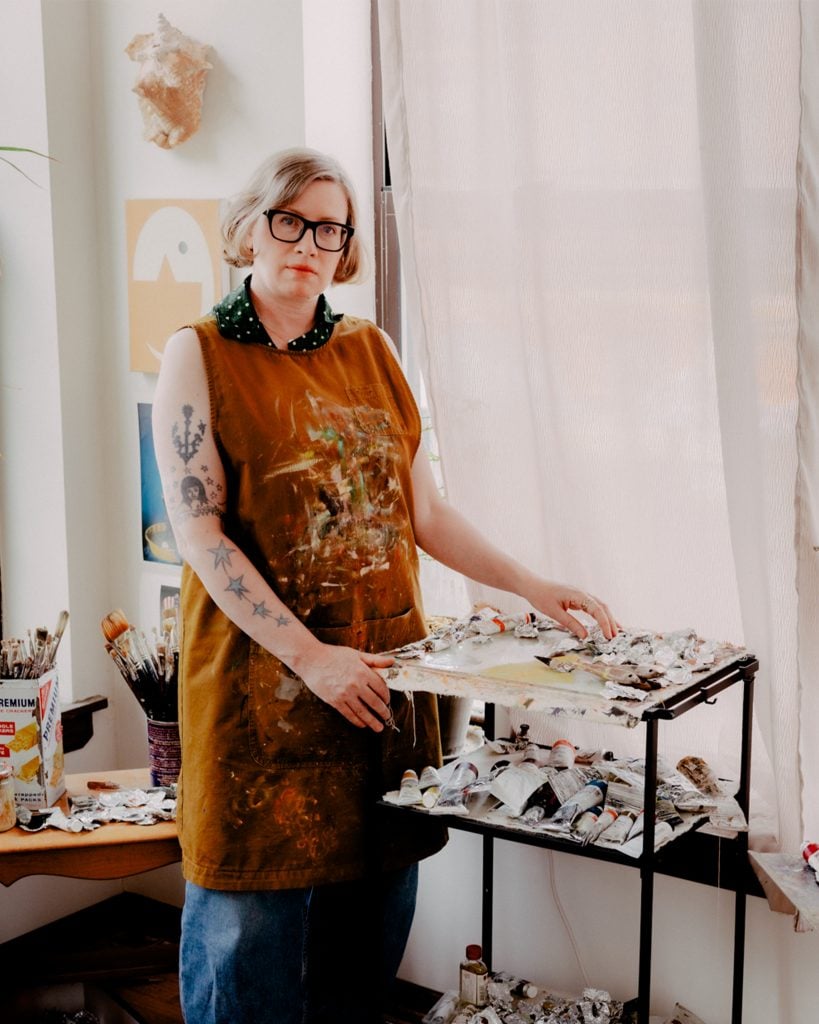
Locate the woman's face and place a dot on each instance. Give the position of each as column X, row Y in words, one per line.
column 298, row 270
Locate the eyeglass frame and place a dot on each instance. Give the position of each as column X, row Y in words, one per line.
column 308, row 225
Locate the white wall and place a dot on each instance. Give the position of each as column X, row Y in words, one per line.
column 69, row 500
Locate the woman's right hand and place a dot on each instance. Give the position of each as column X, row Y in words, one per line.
column 344, row 678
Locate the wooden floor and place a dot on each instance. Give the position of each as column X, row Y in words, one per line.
column 155, row 1000
column 128, row 947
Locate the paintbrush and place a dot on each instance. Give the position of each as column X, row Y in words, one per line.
column 59, row 629
column 148, row 667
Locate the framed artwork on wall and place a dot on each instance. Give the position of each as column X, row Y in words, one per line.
column 175, row 270
column 158, row 544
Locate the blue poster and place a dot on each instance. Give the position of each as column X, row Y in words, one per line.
column 158, row 544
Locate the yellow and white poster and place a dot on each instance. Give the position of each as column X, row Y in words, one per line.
column 175, row 270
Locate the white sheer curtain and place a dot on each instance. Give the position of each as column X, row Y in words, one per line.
column 608, row 225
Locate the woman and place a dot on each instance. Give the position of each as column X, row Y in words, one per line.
column 301, row 565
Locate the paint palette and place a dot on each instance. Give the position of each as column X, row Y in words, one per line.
column 503, row 669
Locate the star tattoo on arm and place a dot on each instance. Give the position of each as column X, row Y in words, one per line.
column 262, row 610
column 221, row 554
column 237, row 587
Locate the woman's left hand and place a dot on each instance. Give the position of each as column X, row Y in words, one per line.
column 555, row 600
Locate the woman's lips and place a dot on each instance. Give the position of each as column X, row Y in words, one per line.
column 301, row 268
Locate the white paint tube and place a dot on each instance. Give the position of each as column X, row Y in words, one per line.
column 486, row 1016
column 536, row 754
column 584, row 823
column 562, row 754
column 429, row 777
column 591, row 795
column 618, row 831
column 452, row 798
column 607, row 817
column 514, row 786
column 410, row 792
column 636, row 826
column 430, row 797
column 534, row 814
column 442, row 1011
column 810, row 854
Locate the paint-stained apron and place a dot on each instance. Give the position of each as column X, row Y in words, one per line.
column 276, row 787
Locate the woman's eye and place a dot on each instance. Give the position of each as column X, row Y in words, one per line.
column 329, row 230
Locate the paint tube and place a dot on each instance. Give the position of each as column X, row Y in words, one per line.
column 410, row 792
column 667, row 812
column 514, row 786
column 442, row 1011
column 593, row 756
column 605, row 819
column 429, row 777
column 486, row 1016
column 557, row 789
column 562, row 754
column 636, row 827
column 596, row 1007
column 488, row 624
column 633, row 847
column 592, row 794
column 499, row 990
column 532, row 1009
column 533, row 815
column 684, row 798
column 452, row 798
column 534, row 753
column 524, row 989
column 584, row 824
column 429, row 797
column 700, row 775
column 810, row 854
column 618, row 831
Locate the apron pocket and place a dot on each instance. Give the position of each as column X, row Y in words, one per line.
column 288, row 725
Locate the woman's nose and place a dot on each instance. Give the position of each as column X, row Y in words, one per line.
column 307, row 242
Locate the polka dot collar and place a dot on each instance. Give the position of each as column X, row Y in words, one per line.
column 237, row 319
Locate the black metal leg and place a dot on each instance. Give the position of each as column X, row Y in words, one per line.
column 647, row 874
column 488, row 884
column 743, row 799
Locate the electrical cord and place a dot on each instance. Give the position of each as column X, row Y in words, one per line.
column 564, row 918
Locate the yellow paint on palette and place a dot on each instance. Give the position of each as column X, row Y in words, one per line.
column 535, row 671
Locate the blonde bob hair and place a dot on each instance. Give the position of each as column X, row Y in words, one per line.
column 276, row 183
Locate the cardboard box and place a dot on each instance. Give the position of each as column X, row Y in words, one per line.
column 31, row 737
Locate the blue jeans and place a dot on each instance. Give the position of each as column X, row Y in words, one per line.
column 293, row 956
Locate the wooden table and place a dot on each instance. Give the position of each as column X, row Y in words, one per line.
column 115, row 850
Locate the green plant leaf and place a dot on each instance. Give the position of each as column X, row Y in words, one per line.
column 22, row 149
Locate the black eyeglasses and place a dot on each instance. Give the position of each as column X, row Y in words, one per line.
column 290, row 227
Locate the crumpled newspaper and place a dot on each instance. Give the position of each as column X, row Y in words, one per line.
column 135, row 806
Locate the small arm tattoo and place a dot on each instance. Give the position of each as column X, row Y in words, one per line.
column 198, row 494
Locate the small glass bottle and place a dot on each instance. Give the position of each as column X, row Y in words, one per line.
column 8, row 810
column 474, row 976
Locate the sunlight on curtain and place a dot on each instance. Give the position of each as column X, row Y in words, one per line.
column 597, row 209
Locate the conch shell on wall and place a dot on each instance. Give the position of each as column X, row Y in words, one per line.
column 171, row 82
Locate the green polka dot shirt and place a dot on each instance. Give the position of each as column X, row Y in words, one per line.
column 237, row 320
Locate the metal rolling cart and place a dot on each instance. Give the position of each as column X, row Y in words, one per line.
column 702, row 692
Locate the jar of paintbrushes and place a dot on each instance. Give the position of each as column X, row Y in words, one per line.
column 149, row 664
column 31, row 735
